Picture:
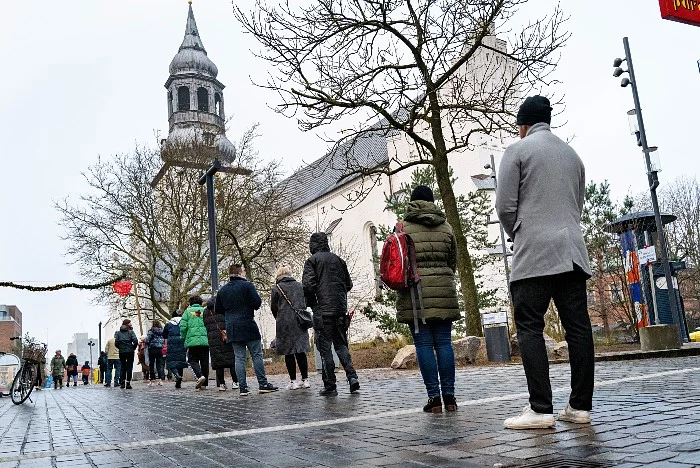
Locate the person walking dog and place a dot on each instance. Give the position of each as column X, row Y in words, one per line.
column 539, row 200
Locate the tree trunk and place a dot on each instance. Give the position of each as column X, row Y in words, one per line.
column 464, row 260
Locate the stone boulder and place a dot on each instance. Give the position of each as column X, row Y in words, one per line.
column 550, row 343
column 405, row 358
column 467, row 349
column 560, row 351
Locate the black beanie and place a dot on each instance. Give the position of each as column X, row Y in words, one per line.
column 422, row 192
column 534, row 110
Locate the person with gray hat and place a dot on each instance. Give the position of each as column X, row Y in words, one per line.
column 540, row 196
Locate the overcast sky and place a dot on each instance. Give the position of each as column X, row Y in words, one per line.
column 85, row 78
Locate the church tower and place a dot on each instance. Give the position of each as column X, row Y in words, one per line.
column 195, row 98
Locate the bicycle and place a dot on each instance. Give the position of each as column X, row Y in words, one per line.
column 26, row 377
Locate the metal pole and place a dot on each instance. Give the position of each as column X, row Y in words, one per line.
column 653, row 184
column 208, row 178
column 99, row 334
column 500, row 226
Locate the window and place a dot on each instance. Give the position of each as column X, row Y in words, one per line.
column 183, row 98
column 203, row 99
column 375, row 259
column 170, row 103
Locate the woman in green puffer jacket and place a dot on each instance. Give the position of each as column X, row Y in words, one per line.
column 194, row 335
column 436, row 257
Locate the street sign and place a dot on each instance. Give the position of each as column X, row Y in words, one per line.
column 682, row 11
column 494, row 318
column 646, row 255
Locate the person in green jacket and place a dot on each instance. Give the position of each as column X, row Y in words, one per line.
column 194, row 335
column 431, row 326
column 58, row 367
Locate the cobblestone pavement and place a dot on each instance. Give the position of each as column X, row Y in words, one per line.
column 646, row 413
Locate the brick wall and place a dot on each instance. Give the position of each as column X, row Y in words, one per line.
column 8, row 328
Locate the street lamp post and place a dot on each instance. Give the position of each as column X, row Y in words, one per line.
column 91, row 343
column 652, row 176
column 504, row 249
column 208, row 178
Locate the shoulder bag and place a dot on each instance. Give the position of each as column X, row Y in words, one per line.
column 304, row 318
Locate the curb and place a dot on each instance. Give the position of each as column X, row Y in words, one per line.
column 687, row 350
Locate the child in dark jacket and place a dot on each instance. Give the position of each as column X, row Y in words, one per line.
column 155, row 342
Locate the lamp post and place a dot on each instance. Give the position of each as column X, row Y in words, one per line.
column 208, row 178
column 91, row 343
column 504, row 250
column 637, row 128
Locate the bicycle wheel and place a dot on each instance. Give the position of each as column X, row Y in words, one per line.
column 22, row 385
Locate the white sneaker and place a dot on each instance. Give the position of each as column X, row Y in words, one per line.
column 200, row 382
column 234, row 385
column 293, row 385
column 569, row 414
column 150, row 384
column 160, row 383
column 305, row 383
column 529, row 419
column 223, row 388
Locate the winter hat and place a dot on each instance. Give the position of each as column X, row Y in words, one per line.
column 211, row 302
column 423, row 192
column 534, row 110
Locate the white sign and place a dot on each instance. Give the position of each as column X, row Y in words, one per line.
column 494, row 318
column 647, row 255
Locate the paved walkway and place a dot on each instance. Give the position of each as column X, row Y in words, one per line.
column 647, row 413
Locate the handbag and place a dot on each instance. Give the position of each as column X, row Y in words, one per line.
column 304, row 318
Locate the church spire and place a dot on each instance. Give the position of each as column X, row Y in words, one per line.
column 192, row 39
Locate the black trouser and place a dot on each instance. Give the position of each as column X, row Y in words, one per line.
column 289, row 360
column 57, row 380
column 198, row 358
column 220, row 375
column 127, row 363
column 333, row 331
column 155, row 357
column 531, row 299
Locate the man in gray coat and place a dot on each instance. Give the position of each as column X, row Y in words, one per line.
column 539, row 201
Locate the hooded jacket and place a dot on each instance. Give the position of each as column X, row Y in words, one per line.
column 58, row 366
column 326, row 279
column 238, row 300
column 111, row 349
column 72, row 361
column 192, row 329
column 126, row 340
column 177, row 355
column 436, row 257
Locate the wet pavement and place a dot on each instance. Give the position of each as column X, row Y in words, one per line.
column 646, row 413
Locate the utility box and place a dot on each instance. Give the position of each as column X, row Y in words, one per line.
column 497, row 336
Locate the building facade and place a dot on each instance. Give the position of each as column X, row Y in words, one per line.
column 10, row 325
column 80, row 347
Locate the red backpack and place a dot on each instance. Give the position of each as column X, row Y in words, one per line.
column 398, row 269
column 397, row 265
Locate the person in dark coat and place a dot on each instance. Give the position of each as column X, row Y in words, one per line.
column 126, row 342
column 72, row 369
column 431, row 326
column 85, row 370
column 222, row 356
column 177, row 355
column 326, row 283
column 291, row 340
column 155, row 343
column 238, row 300
column 102, row 363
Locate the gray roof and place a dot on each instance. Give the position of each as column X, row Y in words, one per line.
column 367, row 150
column 192, row 57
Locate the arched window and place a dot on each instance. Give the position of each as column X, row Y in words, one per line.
column 218, row 104
column 183, row 98
column 203, row 99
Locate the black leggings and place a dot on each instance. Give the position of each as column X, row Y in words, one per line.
column 220, row 375
column 292, row 368
column 127, row 361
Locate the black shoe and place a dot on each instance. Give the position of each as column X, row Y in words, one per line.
column 128, row 385
column 328, row 392
column 354, row 385
column 108, row 385
column 450, row 402
column 434, row 405
column 121, row 385
column 178, row 384
column 267, row 388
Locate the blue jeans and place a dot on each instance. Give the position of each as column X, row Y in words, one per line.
column 256, row 355
column 434, row 340
column 117, row 365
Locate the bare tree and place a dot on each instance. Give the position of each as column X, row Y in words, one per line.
column 158, row 236
column 430, row 72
